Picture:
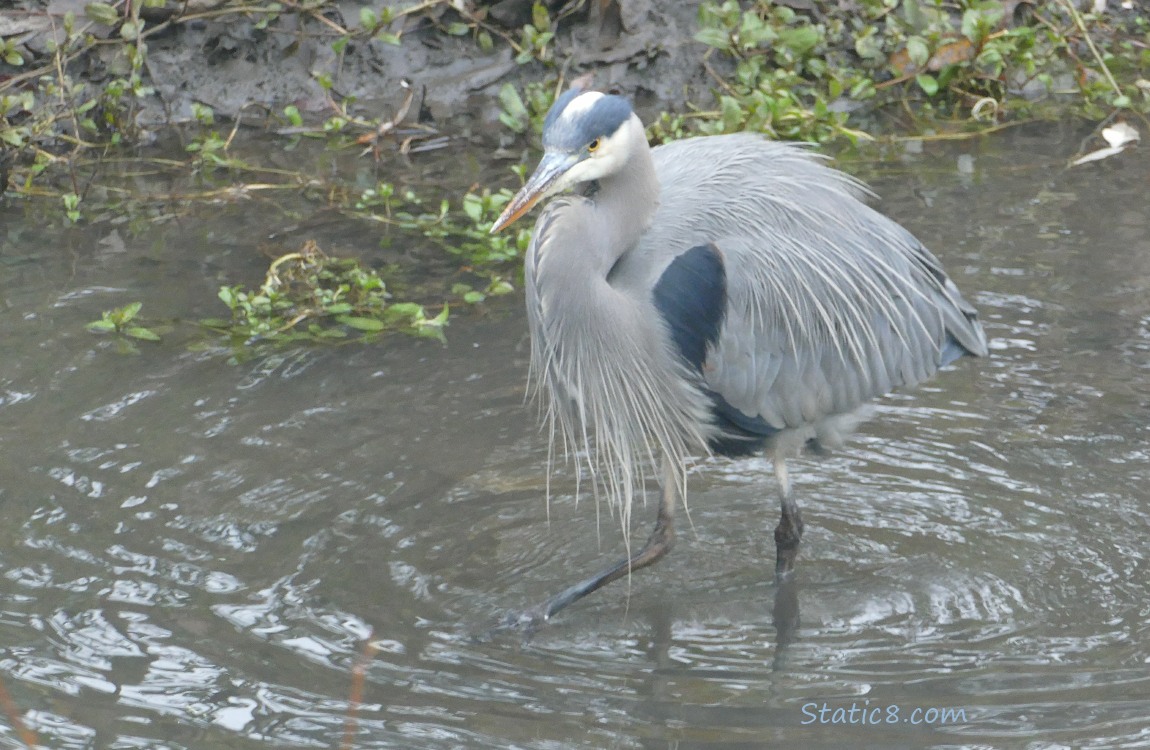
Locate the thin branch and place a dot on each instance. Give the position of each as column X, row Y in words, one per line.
column 1090, row 43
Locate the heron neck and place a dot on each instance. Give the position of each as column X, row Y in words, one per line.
column 627, row 201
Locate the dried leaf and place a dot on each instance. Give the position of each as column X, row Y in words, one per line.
column 1120, row 135
column 906, row 61
column 951, row 53
column 1101, row 153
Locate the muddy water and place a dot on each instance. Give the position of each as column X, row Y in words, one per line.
column 195, row 554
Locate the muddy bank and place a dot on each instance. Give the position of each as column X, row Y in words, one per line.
column 147, row 67
column 248, row 64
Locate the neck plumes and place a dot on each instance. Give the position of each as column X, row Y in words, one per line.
column 611, row 389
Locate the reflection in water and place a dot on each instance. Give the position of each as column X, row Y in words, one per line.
column 195, row 554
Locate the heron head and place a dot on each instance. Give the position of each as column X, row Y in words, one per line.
column 587, row 135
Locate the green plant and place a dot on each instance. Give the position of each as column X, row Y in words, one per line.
column 469, row 239
column 783, row 73
column 310, row 297
column 119, row 101
column 71, row 207
column 781, row 83
column 121, row 322
column 535, row 37
column 10, row 54
column 526, row 111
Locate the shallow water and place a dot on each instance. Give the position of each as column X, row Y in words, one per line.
column 195, row 554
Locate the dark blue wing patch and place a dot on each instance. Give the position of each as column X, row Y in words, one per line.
column 691, row 295
column 741, row 435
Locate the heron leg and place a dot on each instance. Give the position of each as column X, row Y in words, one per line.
column 789, row 532
column 658, row 544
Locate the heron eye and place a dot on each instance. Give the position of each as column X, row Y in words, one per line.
column 593, row 146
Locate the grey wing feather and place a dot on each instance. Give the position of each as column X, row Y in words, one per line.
column 830, row 303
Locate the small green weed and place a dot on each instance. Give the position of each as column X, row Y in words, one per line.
column 526, row 111
column 536, row 37
column 780, row 72
column 464, row 232
column 121, row 323
column 782, row 83
column 310, row 297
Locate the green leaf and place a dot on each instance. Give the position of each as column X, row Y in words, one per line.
column 369, row 325
column 862, row 89
column 927, row 83
column 977, row 24
column 473, row 207
column 127, row 312
column 406, row 309
column 869, row 44
column 517, row 115
column 431, row 332
column 712, row 37
column 970, row 23
column 800, row 40
column 367, row 18
column 102, row 13
column 101, row 326
column 917, row 51
column 13, row 136
column 500, row 287
column 144, row 334
column 539, row 17
column 732, row 113
column 388, row 38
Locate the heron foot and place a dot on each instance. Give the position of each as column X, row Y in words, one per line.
column 660, row 542
column 788, row 534
column 525, row 622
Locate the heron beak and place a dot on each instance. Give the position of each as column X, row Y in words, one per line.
column 542, row 184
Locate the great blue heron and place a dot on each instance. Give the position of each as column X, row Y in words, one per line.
column 722, row 294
